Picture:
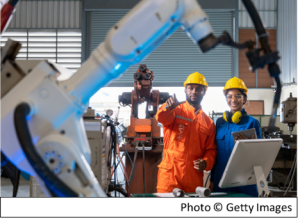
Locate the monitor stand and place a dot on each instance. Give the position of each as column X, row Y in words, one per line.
column 262, row 186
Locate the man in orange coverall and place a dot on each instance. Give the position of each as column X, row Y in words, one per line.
column 189, row 139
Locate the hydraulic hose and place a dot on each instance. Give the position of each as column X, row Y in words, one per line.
column 292, row 177
column 273, row 67
column 13, row 2
column 3, row 160
column 290, row 171
column 134, row 161
column 114, row 141
column 144, row 184
column 276, row 102
column 125, row 174
column 53, row 183
column 254, row 17
column 118, row 189
column 17, row 174
column 16, row 178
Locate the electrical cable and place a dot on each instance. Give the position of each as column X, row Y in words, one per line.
column 274, row 172
column 128, row 155
column 115, row 147
column 207, row 179
column 144, row 184
column 13, row 2
column 124, row 172
column 52, row 182
column 275, row 104
column 133, row 166
column 118, row 189
column 292, row 177
column 16, row 182
column 119, row 161
column 4, row 160
column 126, row 181
column 290, row 170
column 270, row 56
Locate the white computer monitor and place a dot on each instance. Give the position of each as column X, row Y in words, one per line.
column 250, row 163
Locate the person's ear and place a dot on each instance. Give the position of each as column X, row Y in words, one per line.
column 244, row 100
column 185, row 89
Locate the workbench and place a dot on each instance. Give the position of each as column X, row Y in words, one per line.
column 229, row 194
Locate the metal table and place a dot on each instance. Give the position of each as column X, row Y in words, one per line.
column 229, row 194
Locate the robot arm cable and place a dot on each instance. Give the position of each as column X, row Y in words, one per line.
column 114, row 141
column 269, row 57
column 53, row 183
column 3, row 160
column 13, row 2
column 275, row 104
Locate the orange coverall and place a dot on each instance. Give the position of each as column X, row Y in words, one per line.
column 187, row 137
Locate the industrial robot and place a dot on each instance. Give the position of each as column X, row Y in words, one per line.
column 143, row 132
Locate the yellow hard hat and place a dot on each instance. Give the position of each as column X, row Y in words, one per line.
column 196, row 78
column 235, row 83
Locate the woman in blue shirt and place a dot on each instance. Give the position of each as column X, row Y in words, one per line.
column 234, row 120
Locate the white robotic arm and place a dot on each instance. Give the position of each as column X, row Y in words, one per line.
column 55, row 108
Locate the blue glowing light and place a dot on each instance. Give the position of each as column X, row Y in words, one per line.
column 117, row 66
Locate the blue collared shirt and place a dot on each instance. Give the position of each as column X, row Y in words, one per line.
column 225, row 144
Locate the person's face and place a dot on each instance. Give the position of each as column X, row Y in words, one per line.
column 235, row 100
column 194, row 93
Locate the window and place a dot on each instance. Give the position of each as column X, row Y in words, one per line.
column 60, row 46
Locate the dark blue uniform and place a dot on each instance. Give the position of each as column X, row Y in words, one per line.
column 225, row 144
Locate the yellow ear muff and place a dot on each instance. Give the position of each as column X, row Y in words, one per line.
column 225, row 116
column 236, row 117
column 232, row 118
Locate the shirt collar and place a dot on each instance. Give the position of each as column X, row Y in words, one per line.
column 193, row 109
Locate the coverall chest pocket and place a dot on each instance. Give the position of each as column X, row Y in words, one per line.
column 205, row 133
column 221, row 145
column 180, row 129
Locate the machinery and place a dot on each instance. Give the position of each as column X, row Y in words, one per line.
column 288, row 112
column 42, row 129
column 100, row 142
column 143, row 132
column 101, row 134
column 283, row 174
